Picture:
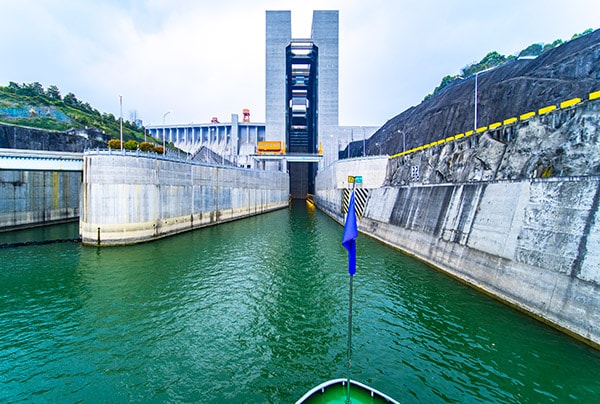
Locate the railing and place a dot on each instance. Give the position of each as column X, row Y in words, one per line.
column 39, row 160
column 169, row 156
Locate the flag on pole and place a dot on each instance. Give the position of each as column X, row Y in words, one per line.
column 350, row 235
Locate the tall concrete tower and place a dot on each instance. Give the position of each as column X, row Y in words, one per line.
column 325, row 35
column 302, row 91
column 279, row 36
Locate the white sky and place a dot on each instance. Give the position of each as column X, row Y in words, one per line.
column 202, row 58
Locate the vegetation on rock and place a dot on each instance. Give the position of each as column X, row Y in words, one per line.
column 32, row 105
column 493, row 59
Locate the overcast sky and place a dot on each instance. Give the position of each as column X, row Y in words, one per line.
column 207, row 58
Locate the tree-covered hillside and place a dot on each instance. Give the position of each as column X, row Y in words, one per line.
column 33, row 106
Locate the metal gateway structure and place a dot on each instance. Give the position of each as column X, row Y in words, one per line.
column 302, row 92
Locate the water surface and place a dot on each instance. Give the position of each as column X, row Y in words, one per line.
column 255, row 311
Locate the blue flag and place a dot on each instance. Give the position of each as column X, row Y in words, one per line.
column 350, row 235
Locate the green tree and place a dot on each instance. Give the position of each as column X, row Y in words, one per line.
column 13, row 87
column 445, row 82
column 31, row 90
column 535, row 49
column 54, row 93
column 587, row 31
column 492, row 59
column 71, row 100
column 552, row 45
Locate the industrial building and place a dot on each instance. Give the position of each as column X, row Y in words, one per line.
column 301, row 133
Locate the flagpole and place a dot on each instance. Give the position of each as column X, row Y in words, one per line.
column 351, row 270
column 349, row 339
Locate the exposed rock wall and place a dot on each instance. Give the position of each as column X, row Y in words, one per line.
column 21, row 137
column 562, row 143
column 570, row 70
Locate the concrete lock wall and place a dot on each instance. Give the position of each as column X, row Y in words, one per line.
column 530, row 243
column 332, row 180
column 130, row 199
column 34, row 198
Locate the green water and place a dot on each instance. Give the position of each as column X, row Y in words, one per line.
column 255, row 311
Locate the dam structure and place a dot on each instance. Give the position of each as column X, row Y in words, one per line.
column 302, row 122
column 301, row 108
column 302, row 76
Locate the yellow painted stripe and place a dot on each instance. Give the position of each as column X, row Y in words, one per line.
column 594, row 95
column 565, row 104
column 527, row 115
column 547, row 109
column 570, row 103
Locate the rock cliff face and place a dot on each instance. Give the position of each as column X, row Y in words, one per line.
column 20, row 137
column 563, row 143
column 568, row 71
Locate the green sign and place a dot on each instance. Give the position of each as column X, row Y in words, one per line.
column 358, row 179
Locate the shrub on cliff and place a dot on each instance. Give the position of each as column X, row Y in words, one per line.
column 131, row 145
column 159, row 150
column 147, row 147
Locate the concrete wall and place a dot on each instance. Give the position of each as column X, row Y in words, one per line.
column 331, row 181
column 128, row 199
column 278, row 37
column 530, row 243
column 34, row 198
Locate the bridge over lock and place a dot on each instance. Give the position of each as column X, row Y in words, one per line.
column 40, row 160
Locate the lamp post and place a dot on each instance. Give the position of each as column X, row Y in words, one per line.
column 164, row 118
column 364, row 151
column 475, row 102
column 403, row 140
column 476, row 96
column 121, row 119
column 351, row 140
